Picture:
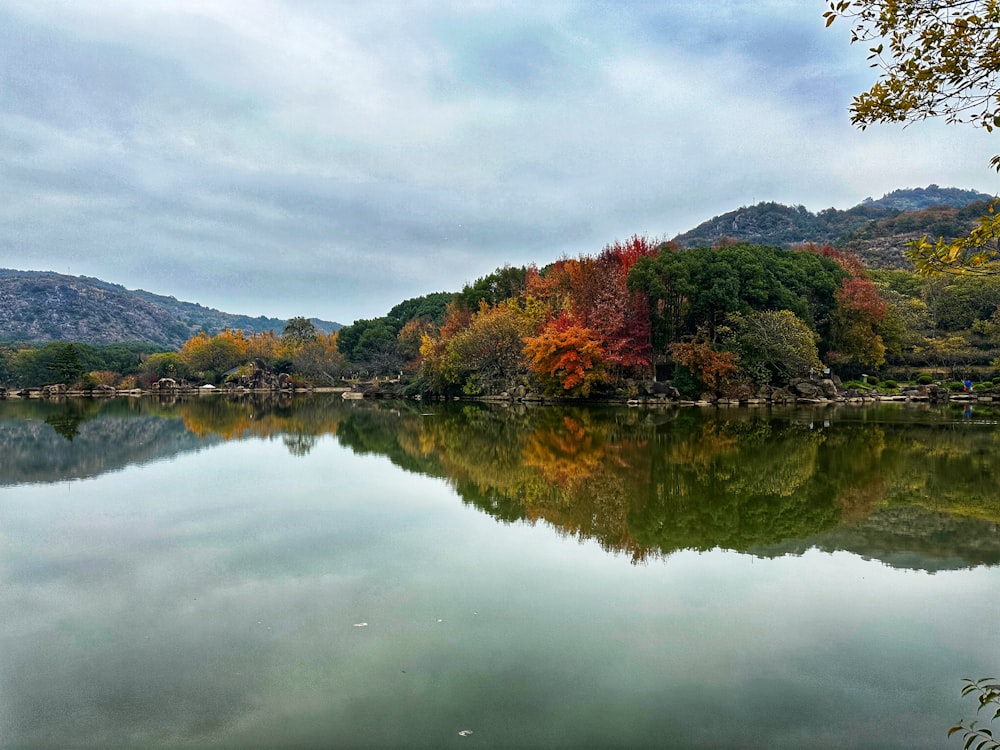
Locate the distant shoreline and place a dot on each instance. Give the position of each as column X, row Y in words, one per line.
column 780, row 397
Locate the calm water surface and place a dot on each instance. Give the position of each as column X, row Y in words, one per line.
column 316, row 573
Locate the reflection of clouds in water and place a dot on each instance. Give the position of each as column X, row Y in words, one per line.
column 214, row 598
column 156, row 607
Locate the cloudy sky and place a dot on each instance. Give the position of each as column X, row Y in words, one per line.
column 330, row 159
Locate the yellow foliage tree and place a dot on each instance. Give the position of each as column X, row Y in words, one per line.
column 215, row 354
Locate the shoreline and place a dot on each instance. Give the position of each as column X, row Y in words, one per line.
column 777, row 397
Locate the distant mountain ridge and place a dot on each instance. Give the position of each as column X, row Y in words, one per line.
column 770, row 223
column 43, row 306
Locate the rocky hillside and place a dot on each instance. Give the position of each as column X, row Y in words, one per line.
column 876, row 230
column 41, row 306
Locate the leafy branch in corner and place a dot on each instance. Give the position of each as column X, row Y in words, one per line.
column 987, row 691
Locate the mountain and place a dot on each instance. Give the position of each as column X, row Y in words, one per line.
column 41, row 306
column 876, row 230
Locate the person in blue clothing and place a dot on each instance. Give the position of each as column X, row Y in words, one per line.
column 968, row 385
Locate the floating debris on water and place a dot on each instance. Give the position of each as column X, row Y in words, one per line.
column 465, row 733
column 361, row 624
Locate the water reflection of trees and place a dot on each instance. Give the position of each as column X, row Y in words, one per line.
column 649, row 484
column 645, row 483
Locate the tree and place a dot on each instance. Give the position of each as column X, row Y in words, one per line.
column 6, row 354
column 665, row 280
column 214, row 355
column 319, row 358
column 65, row 365
column 299, row 330
column 856, row 319
column 957, row 303
column 773, row 345
column 503, row 284
column 937, row 58
column 486, row 356
column 166, row 365
column 429, row 307
column 712, row 368
column 371, row 343
column 566, row 357
column 942, row 60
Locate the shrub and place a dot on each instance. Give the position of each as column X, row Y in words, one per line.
column 924, row 379
column 955, row 385
column 890, row 384
column 685, row 382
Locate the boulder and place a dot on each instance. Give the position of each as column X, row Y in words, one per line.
column 165, row 385
column 738, row 392
column 806, row 389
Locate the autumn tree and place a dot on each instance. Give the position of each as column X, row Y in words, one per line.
column 566, row 357
column 711, row 367
column 434, row 345
column 214, row 355
column 410, row 338
column 935, row 59
column 265, row 346
column 594, row 291
column 620, row 315
column 856, row 318
column 486, row 357
column 951, row 350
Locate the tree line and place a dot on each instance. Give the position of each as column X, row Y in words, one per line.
column 709, row 319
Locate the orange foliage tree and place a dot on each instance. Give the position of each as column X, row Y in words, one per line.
column 711, row 367
column 855, row 320
column 566, row 357
column 594, row 291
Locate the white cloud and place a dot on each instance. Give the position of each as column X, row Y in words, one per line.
column 386, row 150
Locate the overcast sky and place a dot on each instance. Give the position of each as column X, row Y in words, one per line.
column 330, row 159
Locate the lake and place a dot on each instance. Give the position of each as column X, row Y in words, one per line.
column 311, row 572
